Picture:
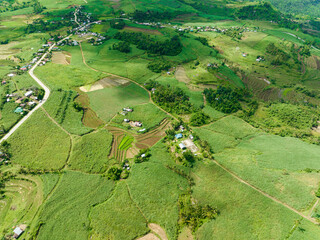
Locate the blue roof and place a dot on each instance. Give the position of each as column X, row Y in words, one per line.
column 179, row 135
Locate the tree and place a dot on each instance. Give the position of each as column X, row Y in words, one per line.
column 114, row 173
column 199, row 119
column 122, row 47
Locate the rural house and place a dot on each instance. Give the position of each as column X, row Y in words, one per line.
column 178, row 136
column 17, row 232
column 28, row 94
column 182, row 146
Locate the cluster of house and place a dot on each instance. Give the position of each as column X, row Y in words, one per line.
column 187, row 143
column 126, row 166
column 27, row 100
column 152, row 24
column 38, row 55
column 198, row 29
column 132, row 123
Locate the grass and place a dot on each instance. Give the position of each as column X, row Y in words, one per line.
column 156, row 189
column 118, row 218
column 60, row 107
column 217, row 141
column 231, row 76
column 232, row 126
column 126, row 142
column 109, row 101
column 66, row 76
column 196, row 97
column 39, row 144
column 149, row 115
column 245, row 213
column 305, row 230
column 8, row 117
column 90, row 152
column 49, row 180
column 213, row 114
column 70, row 204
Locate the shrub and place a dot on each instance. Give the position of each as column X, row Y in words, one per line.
column 114, row 173
column 199, row 119
column 159, row 65
column 122, row 47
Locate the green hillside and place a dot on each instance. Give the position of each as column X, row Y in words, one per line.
column 159, row 120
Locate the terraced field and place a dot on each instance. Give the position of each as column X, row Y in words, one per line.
column 23, row 197
column 141, row 141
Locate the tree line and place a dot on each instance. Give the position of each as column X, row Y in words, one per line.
column 169, row 47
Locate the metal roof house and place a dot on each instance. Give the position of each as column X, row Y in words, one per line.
column 182, row 146
column 178, row 136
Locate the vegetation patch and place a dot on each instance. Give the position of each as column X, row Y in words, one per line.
column 117, row 98
column 40, row 144
column 126, row 142
column 90, row 152
column 62, row 107
column 119, row 217
column 71, row 210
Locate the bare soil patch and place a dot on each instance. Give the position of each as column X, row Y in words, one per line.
column 149, row 236
column 133, row 151
column 181, row 75
column 90, row 118
column 143, row 30
column 106, row 82
column 190, row 145
column 63, row 58
column 158, row 230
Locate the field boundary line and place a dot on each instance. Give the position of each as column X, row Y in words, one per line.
column 137, row 206
column 313, row 207
column 55, row 122
column 266, row 194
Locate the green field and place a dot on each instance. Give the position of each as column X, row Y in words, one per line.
column 70, row 204
column 22, row 198
column 40, row 144
column 60, row 107
column 90, row 152
column 109, row 101
column 118, row 218
column 58, row 76
column 282, row 161
column 126, row 142
column 245, row 213
column 149, row 115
